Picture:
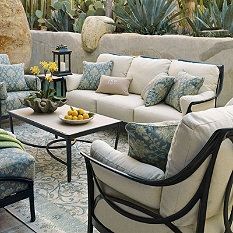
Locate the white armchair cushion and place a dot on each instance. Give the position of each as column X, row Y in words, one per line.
column 185, row 101
column 72, row 81
column 143, row 70
column 146, row 195
column 191, row 135
column 121, row 64
column 209, row 72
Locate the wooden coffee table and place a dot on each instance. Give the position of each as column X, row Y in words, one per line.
column 68, row 133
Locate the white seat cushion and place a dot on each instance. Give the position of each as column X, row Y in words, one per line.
column 119, row 106
column 85, row 99
column 207, row 71
column 121, row 64
column 156, row 113
column 143, row 70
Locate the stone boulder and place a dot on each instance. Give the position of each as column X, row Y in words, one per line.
column 15, row 36
column 94, row 28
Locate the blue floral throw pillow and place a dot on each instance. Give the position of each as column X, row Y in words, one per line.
column 150, row 143
column 185, row 84
column 13, row 77
column 4, row 59
column 158, row 90
column 92, row 73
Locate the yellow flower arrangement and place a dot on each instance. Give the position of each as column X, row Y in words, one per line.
column 35, row 70
column 49, row 68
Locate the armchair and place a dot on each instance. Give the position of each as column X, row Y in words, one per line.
column 193, row 194
column 17, row 170
column 11, row 99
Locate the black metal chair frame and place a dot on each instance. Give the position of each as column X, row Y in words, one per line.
column 210, row 150
column 27, row 193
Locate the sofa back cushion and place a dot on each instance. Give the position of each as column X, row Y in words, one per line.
column 143, row 70
column 209, row 72
column 191, row 135
column 121, row 64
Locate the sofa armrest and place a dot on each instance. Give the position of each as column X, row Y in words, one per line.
column 147, row 195
column 3, row 91
column 200, row 102
column 33, row 82
column 72, row 81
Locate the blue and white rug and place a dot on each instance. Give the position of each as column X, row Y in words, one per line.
column 61, row 207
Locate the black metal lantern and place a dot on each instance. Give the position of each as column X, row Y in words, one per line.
column 62, row 55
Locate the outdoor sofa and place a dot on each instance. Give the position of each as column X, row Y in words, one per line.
column 142, row 70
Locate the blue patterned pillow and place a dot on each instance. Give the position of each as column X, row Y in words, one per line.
column 158, row 90
column 150, row 143
column 13, row 77
column 92, row 73
column 4, row 59
column 3, row 91
column 185, row 84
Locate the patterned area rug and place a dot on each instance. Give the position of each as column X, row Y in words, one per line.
column 61, row 207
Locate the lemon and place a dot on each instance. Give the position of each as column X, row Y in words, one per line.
column 81, row 111
column 70, row 112
column 66, row 117
column 75, row 113
column 80, row 117
column 69, row 117
column 75, row 118
column 85, row 116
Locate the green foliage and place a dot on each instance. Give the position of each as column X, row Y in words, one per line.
column 61, row 17
column 212, row 18
column 91, row 7
column 147, row 17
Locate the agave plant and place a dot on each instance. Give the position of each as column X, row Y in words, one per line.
column 214, row 18
column 147, row 17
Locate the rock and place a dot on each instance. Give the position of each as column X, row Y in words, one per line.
column 94, row 28
column 15, row 36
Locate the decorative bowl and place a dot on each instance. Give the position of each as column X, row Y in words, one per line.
column 41, row 105
column 77, row 122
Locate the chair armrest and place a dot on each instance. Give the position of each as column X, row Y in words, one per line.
column 230, row 102
column 146, row 195
column 72, row 81
column 33, row 82
column 200, row 102
column 3, row 91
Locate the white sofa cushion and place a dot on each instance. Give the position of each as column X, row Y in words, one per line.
column 119, row 107
column 121, row 64
column 191, row 135
column 186, row 100
column 72, row 81
column 207, row 71
column 156, row 113
column 143, row 70
column 86, row 99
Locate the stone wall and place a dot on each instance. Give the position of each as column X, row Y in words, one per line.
column 210, row 50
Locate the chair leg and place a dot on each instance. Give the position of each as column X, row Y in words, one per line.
column 32, row 207
column 90, row 226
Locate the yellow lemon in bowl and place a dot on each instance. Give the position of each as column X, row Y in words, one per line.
column 81, row 111
column 80, row 117
column 86, row 116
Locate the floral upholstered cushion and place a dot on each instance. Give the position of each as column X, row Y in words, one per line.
column 157, row 90
column 13, row 101
column 92, row 73
column 185, row 84
column 150, row 143
column 13, row 76
column 33, row 82
column 15, row 163
column 4, row 59
column 3, row 91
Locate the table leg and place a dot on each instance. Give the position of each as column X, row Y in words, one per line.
column 117, row 135
column 69, row 159
column 11, row 124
